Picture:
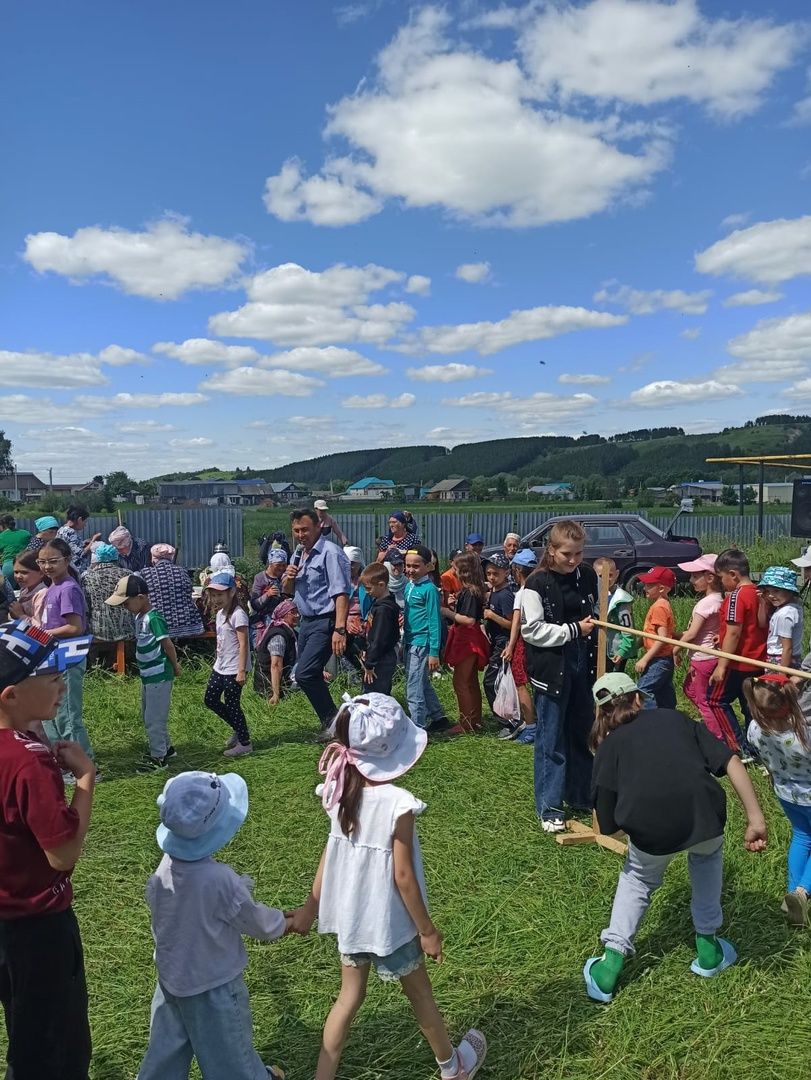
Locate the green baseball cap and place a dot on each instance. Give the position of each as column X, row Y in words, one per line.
column 612, row 686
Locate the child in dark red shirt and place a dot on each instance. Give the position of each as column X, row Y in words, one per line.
column 42, row 982
column 743, row 634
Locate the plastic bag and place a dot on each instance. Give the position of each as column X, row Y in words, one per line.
column 506, row 704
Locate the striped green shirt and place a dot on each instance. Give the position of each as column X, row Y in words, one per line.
column 153, row 663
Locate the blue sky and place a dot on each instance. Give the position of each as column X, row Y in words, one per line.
column 250, row 236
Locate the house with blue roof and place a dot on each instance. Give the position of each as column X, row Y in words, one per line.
column 368, row 488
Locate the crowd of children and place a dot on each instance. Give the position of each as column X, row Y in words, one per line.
column 617, row 746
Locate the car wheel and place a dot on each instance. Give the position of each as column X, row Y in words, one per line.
column 631, row 583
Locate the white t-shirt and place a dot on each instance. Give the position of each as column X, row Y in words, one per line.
column 708, row 608
column 785, row 622
column 517, row 602
column 227, row 662
column 788, row 762
column 200, row 910
column 359, row 899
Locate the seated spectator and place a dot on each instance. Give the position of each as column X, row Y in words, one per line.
column 219, row 563
column 170, row 593
column 47, row 527
column 271, row 543
column 71, row 533
column 402, row 536
column 276, row 653
column 12, row 542
column 133, row 553
column 266, row 590
column 108, row 625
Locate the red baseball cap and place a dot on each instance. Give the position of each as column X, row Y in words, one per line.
column 659, row 575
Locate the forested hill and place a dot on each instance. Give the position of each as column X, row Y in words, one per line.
column 659, row 456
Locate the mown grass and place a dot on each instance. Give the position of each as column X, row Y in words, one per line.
column 520, row 915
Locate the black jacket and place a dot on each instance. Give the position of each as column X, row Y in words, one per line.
column 544, row 630
column 384, row 629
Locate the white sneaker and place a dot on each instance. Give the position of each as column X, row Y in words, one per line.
column 554, row 826
column 238, row 750
column 231, row 743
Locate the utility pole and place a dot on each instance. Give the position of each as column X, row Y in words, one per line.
column 50, row 480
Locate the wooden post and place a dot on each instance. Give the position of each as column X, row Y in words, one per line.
column 602, row 635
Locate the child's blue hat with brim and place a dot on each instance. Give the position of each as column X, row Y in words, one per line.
column 779, row 577
column 200, row 812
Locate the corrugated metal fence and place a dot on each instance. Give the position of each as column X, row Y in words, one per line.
column 193, row 532
column 445, row 531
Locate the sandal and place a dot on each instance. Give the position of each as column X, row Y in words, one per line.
column 476, row 1048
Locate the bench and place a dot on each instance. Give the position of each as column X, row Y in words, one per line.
column 120, row 664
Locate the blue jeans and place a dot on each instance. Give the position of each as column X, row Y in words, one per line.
column 657, row 681
column 314, row 650
column 562, row 757
column 799, row 852
column 215, row 1027
column 423, row 704
column 68, row 722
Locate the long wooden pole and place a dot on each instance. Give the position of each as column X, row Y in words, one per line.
column 692, row 647
column 602, row 636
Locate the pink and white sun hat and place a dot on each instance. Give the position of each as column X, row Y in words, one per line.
column 705, row 564
column 384, row 743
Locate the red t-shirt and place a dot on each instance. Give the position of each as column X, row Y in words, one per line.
column 741, row 607
column 33, row 816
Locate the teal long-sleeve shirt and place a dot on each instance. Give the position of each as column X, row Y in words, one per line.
column 422, row 621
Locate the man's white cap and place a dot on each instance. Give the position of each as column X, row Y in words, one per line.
column 320, row 504
column 804, row 560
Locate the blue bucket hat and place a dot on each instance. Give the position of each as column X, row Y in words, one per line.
column 44, row 523
column 525, row 557
column 779, row 577
column 200, row 812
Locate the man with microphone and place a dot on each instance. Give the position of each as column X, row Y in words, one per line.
column 318, row 578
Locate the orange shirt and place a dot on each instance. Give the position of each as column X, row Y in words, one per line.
column 450, row 583
column 659, row 616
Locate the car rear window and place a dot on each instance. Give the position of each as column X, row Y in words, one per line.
column 636, row 534
column 604, row 534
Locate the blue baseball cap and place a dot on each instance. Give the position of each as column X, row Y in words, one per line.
column 474, row 538
column 525, row 557
column 27, row 650
column 221, row 582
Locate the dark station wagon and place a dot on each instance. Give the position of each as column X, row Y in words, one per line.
column 633, row 543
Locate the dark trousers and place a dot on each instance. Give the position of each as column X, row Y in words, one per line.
column 491, row 672
column 384, row 674
column 314, row 650
column 44, row 995
column 224, row 697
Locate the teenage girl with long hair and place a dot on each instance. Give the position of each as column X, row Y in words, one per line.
column 467, row 650
column 557, row 610
column 780, row 733
column 224, row 691
column 33, row 586
column 370, row 887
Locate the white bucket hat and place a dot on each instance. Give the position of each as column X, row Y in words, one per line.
column 200, row 812
column 383, row 744
column 354, row 554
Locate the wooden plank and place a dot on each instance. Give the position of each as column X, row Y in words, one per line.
column 602, row 634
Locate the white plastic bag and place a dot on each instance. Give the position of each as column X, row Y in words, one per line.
column 507, row 705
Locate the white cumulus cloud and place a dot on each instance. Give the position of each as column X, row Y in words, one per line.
column 203, row 351
column 530, row 324
column 379, row 401
column 446, row 372
column 161, row 262
column 644, row 52
column 146, row 427
column 474, row 273
column 667, row 392
column 71, row 372
column 250, row 381
column 294, row 306
column 800, row 391
column 640, row 302
column 769, row 252
column 94, row 404
column 199, row 440
column 332, row 361
column 443, row 125
column 787, row 338
column 692, row 333
column 533, row 411
column 752, row 297
column 118, row 356
column 418, row 284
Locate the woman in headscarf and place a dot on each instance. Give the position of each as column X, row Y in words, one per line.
column 402, row 536
column 276, row 653
column 170, row 593
column 133, row 553
column 107, row 624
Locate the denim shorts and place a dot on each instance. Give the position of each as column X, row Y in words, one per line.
column 392, row 967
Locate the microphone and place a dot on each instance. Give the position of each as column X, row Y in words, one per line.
column 296, row 559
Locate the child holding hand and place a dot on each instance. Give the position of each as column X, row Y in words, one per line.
column 653, row 779
column 370, row 886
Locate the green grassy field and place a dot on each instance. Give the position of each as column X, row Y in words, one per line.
column 520, row 915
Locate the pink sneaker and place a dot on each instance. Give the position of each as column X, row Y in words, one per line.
column 238, row 750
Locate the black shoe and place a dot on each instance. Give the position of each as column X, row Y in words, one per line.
column 440, row 726
column 152, row 764
column 171, row 752
column 511, row 731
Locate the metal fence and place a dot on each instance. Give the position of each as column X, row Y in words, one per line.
column 193, row 532
column 741, row 530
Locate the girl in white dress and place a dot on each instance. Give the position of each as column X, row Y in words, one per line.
column 370, row 887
